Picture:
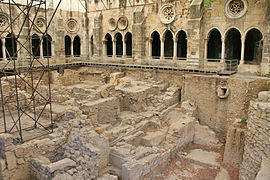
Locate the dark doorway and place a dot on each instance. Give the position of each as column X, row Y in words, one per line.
column 77, row 46
column 119, row 44
column 253, row 47
column 36, row 45
column 11, row 47
column 155, row 45
column 92, row 45
column 233, row 44
column 214, row 45
column 182, row 44
column 67, row 46
column 168, row 45
column 129, row 44
column 109, row 47
column 47, row 46
column 1, row 50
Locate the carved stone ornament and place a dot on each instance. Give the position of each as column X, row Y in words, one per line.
column 3, row 21
column 72, row 26
column 112, row 24
column 223, row 91
column 236, row 8
column 122, row 23
column 40, row 24
column 167, row 14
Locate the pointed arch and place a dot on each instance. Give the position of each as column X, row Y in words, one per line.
column 155, row 44
column 214, row 44
column 67, row 46
column 119, row 44
column 109, row 48
column 77, row 46
column 36, row 45
column 168, row 44
column 47, row 45
column 128, row 39
column 253, row 46
column 233, row 44
column 92, row 45
column 11, row 47
column 181, row 44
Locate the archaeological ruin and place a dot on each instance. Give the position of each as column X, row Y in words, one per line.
column 135, row 89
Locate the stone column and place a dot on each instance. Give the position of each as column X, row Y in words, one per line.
column 205, row 48
column 71, row 48
column 4, row 49
column 242, row 51
column 150, row 48
column 104, row 48
column 162, row 48
column 114, row 48
column 124, row 48
column 52, row 48
column 41, row 48
column 175, row 48
column 223, row 50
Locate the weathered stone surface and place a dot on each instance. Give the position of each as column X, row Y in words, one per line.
column 61, row 165
column 223, row 175
column 257, row 142
column 153, row 138
column 264, row 173
column 235, row 143
column 203, row 158
column 205, row 136
column 11, row 160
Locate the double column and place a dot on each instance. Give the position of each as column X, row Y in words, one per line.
column 4, row 49
column 162, row 40
column 242, row 51
column 124, row 45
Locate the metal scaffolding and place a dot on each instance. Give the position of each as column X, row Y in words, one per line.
column 26, row 92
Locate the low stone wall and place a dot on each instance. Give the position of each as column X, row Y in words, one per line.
column 257, row 142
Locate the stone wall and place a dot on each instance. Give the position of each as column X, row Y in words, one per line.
column 217, row 112
column 257, row 142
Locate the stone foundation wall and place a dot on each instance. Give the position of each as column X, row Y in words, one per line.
column 257, row 142
column 216, row 112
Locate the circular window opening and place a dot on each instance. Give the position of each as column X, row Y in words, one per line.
column 236, row 8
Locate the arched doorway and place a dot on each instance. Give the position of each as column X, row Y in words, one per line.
column 47, row 46
column 181, row 44
column 155, row 44
column 77, row 46
column 1, row 50
column 168, row 45
column 214, row 45
column 233, row 44
column 92, row 46
column 36, row 45
column 119, row 44
column 128, row 44
column 109, row 47
column 11, row 47
column 67, row 46
column 253, row 47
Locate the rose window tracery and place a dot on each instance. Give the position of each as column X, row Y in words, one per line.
column 40, row 23
column 122, row 23
column 236, row 8
column 167, row 14
column 72, row 26
column 3, row 21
